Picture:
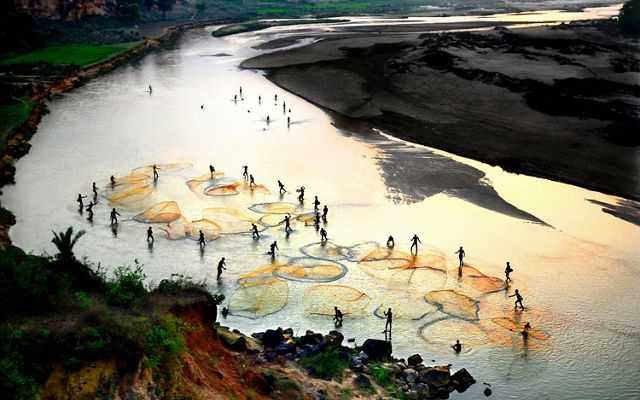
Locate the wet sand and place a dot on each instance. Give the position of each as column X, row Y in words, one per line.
column 555, row 102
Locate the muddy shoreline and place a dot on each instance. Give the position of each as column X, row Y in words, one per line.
column 453, row 92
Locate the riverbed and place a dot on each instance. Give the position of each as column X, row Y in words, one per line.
column 575, row 265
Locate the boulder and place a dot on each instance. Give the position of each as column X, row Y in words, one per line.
column 422, row 389
column 361, row 381
column 414, row 360
column 285, row 348
column 462, row 380
column 311, row 338
column 272, row 338
column 435, row 377
column 410, row 375
column 288, row 332
column 487, row 392
column 240, row 345
column 411, row 395
column 335, row 337
column 377, row 349
column 257, row 382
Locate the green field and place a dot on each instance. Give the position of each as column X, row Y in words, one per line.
column 81, row 55
column 12, row 115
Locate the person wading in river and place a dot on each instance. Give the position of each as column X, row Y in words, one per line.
column 389, row 323
column 507, row 271
column 281, row 186
column 150, row 238
column 114, row 217
column 414, row 243
column 518, row 299
column 201, row 239
column 273, row 246
column 461, row 255
column 221, row 265
column 79, row 200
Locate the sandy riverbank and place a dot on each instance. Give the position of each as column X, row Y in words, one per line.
column 556, row 102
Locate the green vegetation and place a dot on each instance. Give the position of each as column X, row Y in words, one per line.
column 13, row 113
column 60, row 311
column 384, row 377
column 629, row 18
column 329, row 364
column 72, row 54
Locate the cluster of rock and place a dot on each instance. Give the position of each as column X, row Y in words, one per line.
column 414, row 379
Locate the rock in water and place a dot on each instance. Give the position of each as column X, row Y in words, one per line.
column 377, row 349
column 414, row 359
column 435, row 377
column 462, row 380
column 272, row 338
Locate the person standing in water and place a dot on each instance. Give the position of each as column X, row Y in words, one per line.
column 202, row 106
column 518, row 299
column 150, row 89
column 273, row 246
column 390, row 242
column 252, row 182
column 325, row 211
column 89, row 209
column 414, row 243
column 389, row 315
column 275, row 98
column 112, row 179
column 94, row 188
column 525, row 330
column 259, row 99
column 155, row 172
column 235, row 98
column 221, row 265
column 79, row 200
column 316, row 220
column 201, row 241
column 301, row 196
column 254, row 231
column 507, row 271
column 457, row 347
column 316, row 204
column 150, row 238
column 337, row 316
column 245, row 172
column 461, row 255
column 114, row 216
column 268, row 119
column 288, row 121
column 323, row 235
column 281, row 186
column 284, row 107
column 287, row 223
column 211, row 170
column 240, row 91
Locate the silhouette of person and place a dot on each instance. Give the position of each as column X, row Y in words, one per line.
column 113, row 180
column 201, row 241
column 275, row 97
column 240, row 90
column 325, row 211
column 155, row 172
column 114, row 216
column 390, row 242
column 221, row 265
column 225, row 312
column 254, row 230
column 235, row 98
column 518, row 299
column 507, row 271
column 301, row 196
column 288, row 121
column 150, row 88
column 461, row 255
column 337, row 317
column 79, row 200
column 259, row 99
column 457, row 347
column 268, row 119
column 252, row 182
column 150, row 238
column 211, row 170
column 287, row 223
column 273, row 246
column 281, row 186
column 284, row 107
column 526, row 329
column 414, row 243
column 245, row 172
column 94, row 188
column 202, row 106
column 316, row 204
column 323, row 235
column 389, row 315
column 89, row 209
column 316, row 220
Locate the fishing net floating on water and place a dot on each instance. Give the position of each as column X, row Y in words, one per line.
column 321, row 299
column 275, row 208
column 128, row 180
column 259, row 296
column 236, row 188
column 130, row 194
column 446, row 331
column 325, row 250
column 310, row 270
column 183, row 228
column 405, row 304
column 148, row 169
column 404, row 268
column 516, row 327
column 477, row 280
column 166, row 212
column 230, row 220
column 198, row 181
column 453, row 303
column 272, row 220
column 307, row 218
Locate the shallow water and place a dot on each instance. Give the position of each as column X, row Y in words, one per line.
column 575, row 265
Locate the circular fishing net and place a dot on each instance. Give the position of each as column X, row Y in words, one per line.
column 475, row 279
column 453, row 303
column 321, row 299
column 166, row 212
column 196, row 183
column 258, row 296
column 236, row 188
column 231, row 221
column 311, row 270
column 275, row 208
column 516, row 327
column 148, row 169
column 446, row 331
column 405, row 304
column 129, row 194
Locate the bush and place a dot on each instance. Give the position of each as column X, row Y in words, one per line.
column 629, row 17
column 329, row 364
column 127, row 287
column 180, row 283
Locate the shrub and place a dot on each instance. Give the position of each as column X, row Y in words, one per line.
column 329, row 364
column 127, row 286
column 629, row 17
column 164, row 344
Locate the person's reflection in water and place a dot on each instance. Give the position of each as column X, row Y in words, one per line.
column 114, row 230
column 150, row 247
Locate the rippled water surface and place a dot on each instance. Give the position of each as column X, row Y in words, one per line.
column 575, row 265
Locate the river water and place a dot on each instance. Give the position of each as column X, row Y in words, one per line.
column 575, row 265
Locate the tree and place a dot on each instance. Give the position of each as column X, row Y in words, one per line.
column 165, row 5
column 629, row 17
column 129, row 9
column 65, row 241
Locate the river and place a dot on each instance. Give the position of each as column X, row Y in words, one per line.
column 576, row 266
